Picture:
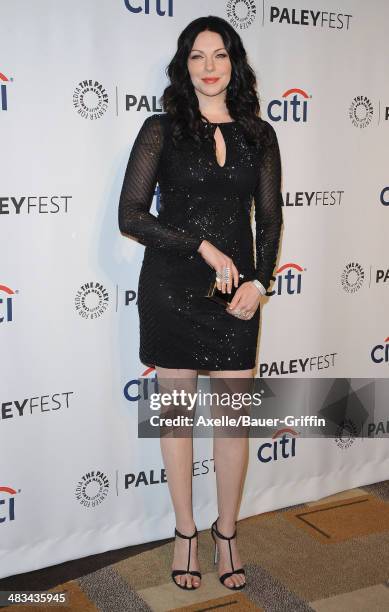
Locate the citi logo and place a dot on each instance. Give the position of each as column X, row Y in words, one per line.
column 3, row 91
column 380, row 352
column 384, row 196
column 6, row 303
column 281, row 447
column 293, row 106
column 288, row 279
column 142, row 387
column 7, row 504
column 161, row 6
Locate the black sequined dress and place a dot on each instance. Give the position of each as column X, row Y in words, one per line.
column 199, row 199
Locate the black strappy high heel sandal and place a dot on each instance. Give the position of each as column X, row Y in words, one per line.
column 178, row 572
column 223, row 578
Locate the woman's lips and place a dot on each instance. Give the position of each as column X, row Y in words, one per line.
column 210, row 80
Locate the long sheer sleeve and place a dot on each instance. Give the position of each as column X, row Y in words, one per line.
column 268, row 203
column 137, row 193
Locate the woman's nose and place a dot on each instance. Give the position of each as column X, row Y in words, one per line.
column 209, row 65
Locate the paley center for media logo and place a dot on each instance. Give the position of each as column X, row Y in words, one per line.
column 241, row 13
column 292, row 106
column 352, row 277
column 92, row 300
column 92, row 488
column 361, row 111
column 90, row 99
column 346, row 434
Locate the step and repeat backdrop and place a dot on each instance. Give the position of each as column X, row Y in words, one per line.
column 77, row 80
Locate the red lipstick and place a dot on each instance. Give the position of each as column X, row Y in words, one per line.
column 210, row 79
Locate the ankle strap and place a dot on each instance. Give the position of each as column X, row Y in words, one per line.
column 220, row 535
column 181, row 535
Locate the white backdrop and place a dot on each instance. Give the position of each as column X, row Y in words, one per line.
column 76, row 82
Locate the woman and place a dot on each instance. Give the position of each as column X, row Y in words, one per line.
column 212, row 156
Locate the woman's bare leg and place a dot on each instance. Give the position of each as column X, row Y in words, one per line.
column 231, row 460
column 177, row 453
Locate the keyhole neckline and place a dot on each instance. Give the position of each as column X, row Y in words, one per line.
column 216, row 125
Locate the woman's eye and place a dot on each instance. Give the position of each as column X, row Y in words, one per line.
column 199, row 56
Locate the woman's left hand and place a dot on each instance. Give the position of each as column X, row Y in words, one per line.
column 245, row 301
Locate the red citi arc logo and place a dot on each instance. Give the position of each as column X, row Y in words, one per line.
column 147, row 371
column 293, row 106
column 288, row 279
column 7, row 504
column 6, row 304
column 3, row 91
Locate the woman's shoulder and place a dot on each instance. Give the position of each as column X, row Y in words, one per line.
column 268, row 128
column 265, row 125
column 153, row 126
column 156, row 119
column 268, row 133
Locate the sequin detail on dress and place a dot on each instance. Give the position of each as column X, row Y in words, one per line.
column 199, row 199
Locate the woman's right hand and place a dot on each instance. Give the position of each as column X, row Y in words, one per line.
column 218, row 260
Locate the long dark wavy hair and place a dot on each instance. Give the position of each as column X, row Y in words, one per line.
column 179, row 99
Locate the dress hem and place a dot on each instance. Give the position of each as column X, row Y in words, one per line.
column 149, row 363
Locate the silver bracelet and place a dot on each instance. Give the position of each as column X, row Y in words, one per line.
column 259, row 286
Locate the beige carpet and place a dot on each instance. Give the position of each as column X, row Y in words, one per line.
column 330, row 555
